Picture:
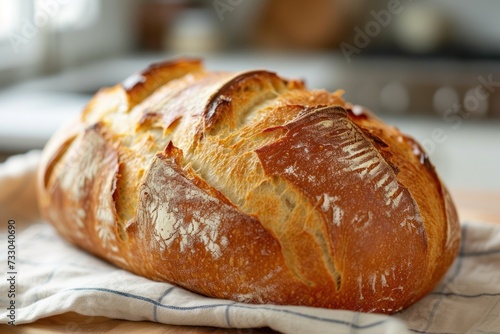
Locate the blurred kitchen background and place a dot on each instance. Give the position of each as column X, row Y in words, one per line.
column 430, row 67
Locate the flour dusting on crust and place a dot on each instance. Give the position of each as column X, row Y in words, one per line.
column 186, row 225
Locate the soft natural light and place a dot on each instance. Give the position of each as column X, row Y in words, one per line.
column 74, row 14
column 77, row 14
column 9, row 16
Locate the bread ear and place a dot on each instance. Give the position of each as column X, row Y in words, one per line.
column 140, row 85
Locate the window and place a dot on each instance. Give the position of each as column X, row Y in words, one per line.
column 9, row 14
column 12, row 14
column 77, row 14
column 28, row 26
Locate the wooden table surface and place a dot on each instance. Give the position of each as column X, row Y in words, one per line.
column 472, row 206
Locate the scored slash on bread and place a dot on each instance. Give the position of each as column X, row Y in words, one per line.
column 250, row 187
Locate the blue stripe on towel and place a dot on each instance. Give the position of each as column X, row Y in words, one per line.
column 266, row 308
column 159, row 300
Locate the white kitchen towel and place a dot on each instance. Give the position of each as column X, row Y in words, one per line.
column 53, row 277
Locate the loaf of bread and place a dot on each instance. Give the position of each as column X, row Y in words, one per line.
column 248, row 186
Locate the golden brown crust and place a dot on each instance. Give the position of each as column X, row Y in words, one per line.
column 250, row 187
